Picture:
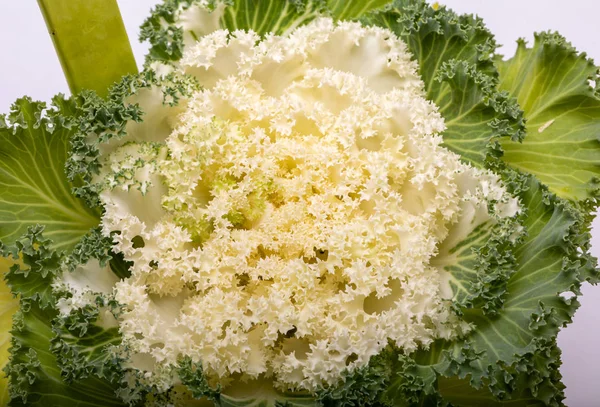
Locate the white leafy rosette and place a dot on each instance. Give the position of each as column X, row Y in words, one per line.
column 289, row 227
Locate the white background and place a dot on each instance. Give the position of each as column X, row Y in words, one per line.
column 28, row 66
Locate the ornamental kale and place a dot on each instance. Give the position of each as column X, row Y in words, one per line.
column 304, row 203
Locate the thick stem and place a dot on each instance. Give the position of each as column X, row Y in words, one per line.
column 91, row 42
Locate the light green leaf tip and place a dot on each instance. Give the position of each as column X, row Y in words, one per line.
column 34, row 146
column 551, row 82
column 352, row 9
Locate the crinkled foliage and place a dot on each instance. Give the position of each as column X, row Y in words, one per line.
column 178, row 161
column 553, row 84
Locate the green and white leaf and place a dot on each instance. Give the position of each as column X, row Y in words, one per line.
column 140, row 107
column 551, row 81
column 176, row 23
column 454, row 54
column 454, row 57
column 83, row 354
column 34, row 374
column 519, row 338
column 476, row 260
column 548, row 264
column 37, row 378
column 34, row 146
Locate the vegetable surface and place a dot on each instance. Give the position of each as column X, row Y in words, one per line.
column 303, row 203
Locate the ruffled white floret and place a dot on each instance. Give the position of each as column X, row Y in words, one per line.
column 304, row 193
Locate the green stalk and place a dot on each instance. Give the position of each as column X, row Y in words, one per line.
column 91, row 42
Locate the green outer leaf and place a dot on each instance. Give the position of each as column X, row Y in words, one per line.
column 536, row 384
column 8, row 306
column 83, row 31
column 436, row 36
column 192, row 376
column 562, row 147
column 269, row 16
column 520, row 338
column 33, row 279
column 164, row 32
column 390, row 379
column 256, row 393
column 84, row 349
column 33, row 184
column 96, row 246
column 548, row 264
column 460, row 393
column 454, row 54
column 352, row 9
column 34, row 375
column 480, row 265
column 477, row 115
